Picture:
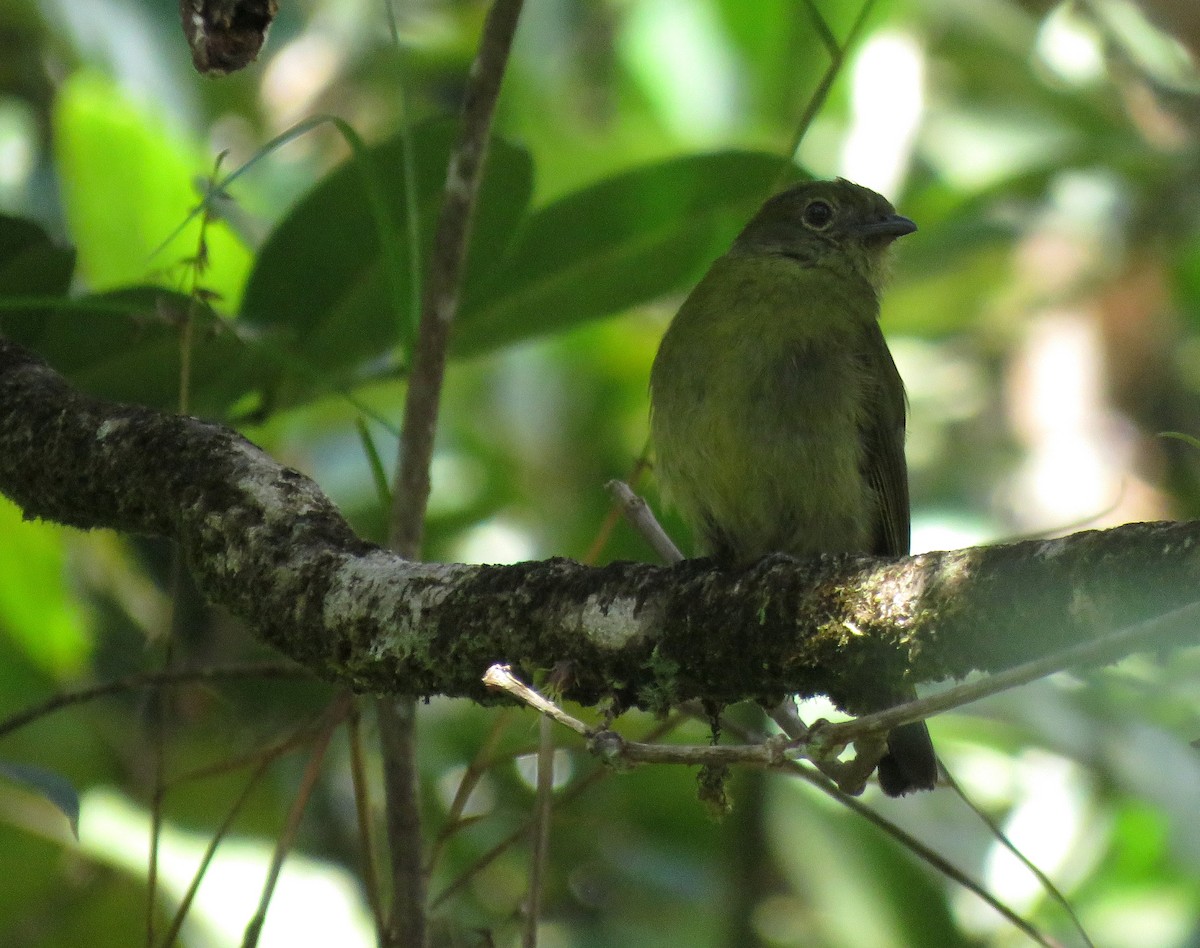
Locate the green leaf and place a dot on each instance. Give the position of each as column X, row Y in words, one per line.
column 126, row 183
column 38, row 613
column 31, row 267
column 30, row 263
column 55, row 788
column 625, row 241
column 126, row 346
column 319, row 277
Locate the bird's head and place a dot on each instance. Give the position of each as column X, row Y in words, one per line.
column 827, row 223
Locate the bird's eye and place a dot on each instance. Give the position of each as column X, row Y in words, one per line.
column 818, row 214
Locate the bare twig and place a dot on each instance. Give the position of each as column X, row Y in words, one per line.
column 501, row 677
column 262, row 760
column 363, row 812
column 303, row 793
column 447, row 265
column 1044, row 880
column 522, row 832
column 540, row 830
column 642, row 519
column 298, row 737
column 824, row 740
column 632, row 479
column 397, row 717
column 837, row 57
column 905, row 839
column 1105, row 648
column 470, row 780
column 154, row 679
column 210, row 851
column 612, row 747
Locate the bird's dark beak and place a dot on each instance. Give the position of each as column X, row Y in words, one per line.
column 893, row 226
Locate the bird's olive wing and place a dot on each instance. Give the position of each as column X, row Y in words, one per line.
column 882, row 435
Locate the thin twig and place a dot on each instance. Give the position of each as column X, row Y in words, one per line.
column 540, row 830
column 1047, row 884
column 308, row 781
column 210, row 851
column 837, row 57
column 905, row 839
column 522, row 832
column 154, row 679
column 612, row 747
column 502, row 678
column 1097, row 651
column 478, row 766
column 297, row 738
column 397, row 718
column 447, row 266
column 632, row 479
column 642, row 519
column 363, row 811
column 824, row 740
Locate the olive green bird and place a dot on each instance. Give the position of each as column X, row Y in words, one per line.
column 777, row 414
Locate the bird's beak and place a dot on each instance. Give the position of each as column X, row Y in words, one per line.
column 894, row 225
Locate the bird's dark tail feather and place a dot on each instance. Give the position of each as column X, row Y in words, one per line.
column 910, row 763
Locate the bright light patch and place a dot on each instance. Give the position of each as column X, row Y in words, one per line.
column 676, row 49
column 944, row 530
column 1046, row 823
column 1077, row 457
column 18, row 143
column 1070, row 46
column 527, row 769
column 495, row 541
column 315, row 903
column 887, row 100
column 481, row 800
column 973, row 150
column 297, row 75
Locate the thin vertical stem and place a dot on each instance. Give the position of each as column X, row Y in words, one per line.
column 440, row 298
column 410, row 495
column 540, row 830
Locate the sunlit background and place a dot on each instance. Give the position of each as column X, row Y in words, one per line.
column 1046, row 319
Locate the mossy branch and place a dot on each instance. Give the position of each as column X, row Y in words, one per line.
column 267, row 544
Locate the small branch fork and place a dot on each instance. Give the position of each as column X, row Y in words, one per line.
column 824, row 741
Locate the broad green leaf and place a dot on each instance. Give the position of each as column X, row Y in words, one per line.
column 127, row 181
column 55, row 788
column 126, row 346
column 319, row 279
column 30, row 263
column 625, row 241
column 31, row 267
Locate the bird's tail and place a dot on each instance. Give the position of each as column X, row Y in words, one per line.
column 910, row 763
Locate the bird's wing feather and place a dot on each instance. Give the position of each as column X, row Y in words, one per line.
column 882, row 433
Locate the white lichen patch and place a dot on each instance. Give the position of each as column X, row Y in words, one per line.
column 611, row 623
column 387, row 586
column 895, row 592
column 110, row 426
column 1051, row 549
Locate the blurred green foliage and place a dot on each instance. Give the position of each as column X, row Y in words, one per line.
column 1046, row 319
